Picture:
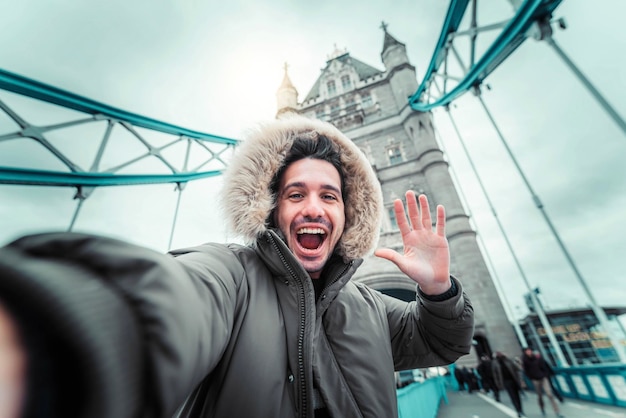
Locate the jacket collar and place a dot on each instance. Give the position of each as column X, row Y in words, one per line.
column 281, row 262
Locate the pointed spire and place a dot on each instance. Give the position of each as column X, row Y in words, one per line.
column 394, row 52
column 389, row 40
column 286, row 80
column 287, row 95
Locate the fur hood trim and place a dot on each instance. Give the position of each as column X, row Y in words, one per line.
column 248, row 202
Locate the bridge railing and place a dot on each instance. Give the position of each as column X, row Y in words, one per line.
column 602, row 384
column 422, row 399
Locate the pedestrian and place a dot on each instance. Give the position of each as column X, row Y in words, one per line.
column 485, row 371
column 506, row 377
column 273, row 327
column 473, row 378
column 520, row 371
column 467, row 379
column 460, row 378
column 550, row 372
column 536, row 369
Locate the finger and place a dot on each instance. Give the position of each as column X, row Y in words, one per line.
column 403, row 224
column 441, row 221
column 425, row 209
column 414, row 215
column 388, row 254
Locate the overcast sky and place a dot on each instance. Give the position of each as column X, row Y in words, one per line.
column 215, row 67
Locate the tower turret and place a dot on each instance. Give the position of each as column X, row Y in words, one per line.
column 394, row 51
column 286, row 96
column 401, row 74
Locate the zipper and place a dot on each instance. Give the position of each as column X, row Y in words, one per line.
column 341, row 273
column 302, row 306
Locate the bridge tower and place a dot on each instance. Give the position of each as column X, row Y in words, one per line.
column 371, row 107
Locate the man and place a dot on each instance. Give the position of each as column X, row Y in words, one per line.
column 274, row 328
column 484, row 369
column 469, row 378
column 550, row 372
column 506, row 376
column 537, row 371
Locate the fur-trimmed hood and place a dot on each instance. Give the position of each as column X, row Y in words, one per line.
column 247, row 200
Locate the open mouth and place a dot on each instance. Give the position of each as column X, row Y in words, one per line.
column 310, row 238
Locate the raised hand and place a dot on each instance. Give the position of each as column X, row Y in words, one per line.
column 426, row 258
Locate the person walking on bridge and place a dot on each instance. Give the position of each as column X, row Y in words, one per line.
column 273, row 328
column 538, row 371
column 550, row 372
column 505, row 376
column 485, row 370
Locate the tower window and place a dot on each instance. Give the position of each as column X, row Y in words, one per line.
column 394, row 154
column 393, row 222
column 346, row 83
column 332, row 89
column 367, row 101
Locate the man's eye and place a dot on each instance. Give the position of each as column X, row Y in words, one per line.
column 295, row 196
column 329, row 197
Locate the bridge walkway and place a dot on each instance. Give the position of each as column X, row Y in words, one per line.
column 481, row 405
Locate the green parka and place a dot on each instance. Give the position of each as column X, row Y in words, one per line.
column 229, row 330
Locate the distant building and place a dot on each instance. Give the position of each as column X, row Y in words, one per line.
column 371, row 107
column 578, row 333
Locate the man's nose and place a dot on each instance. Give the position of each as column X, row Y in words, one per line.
column 313, row 207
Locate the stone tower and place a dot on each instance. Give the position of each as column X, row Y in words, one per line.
column 371, row 107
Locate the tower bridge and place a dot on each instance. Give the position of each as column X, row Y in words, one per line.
column 385, row 111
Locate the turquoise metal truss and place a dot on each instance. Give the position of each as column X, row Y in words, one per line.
column 431, row 93
column 74, row 175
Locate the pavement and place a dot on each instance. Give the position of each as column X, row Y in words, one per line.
column 482, row 405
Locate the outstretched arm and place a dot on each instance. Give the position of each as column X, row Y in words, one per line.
column 141, row 328
column 426, row 257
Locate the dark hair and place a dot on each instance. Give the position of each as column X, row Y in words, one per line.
column 321, row 149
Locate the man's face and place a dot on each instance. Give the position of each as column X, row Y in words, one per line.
column 310, row 212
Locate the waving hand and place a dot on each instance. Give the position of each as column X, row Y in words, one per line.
column 426, row 257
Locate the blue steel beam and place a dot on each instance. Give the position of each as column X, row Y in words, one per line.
column 451, row 23
column 37, row 90
column 10, row 175
column 511, row 37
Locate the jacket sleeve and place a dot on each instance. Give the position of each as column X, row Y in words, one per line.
column 497, row 374
column 141, row 329
column 427, row 333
